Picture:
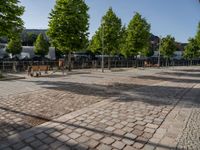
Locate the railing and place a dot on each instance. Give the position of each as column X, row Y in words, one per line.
column 21, row 66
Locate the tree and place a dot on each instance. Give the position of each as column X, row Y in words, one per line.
column 148, row 52
column 10, row 21
column 109, row 31
column 138, row 36
column 41, row 46
column 14, row 46
column 168, row 47
column 95, row 44
column 68, row 26
column 122, row 47
column 197, row 37
column 192, row 49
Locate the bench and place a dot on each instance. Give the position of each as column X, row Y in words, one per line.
column 147, row 64
column 37, row 70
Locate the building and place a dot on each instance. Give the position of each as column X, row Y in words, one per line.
column 27, row 52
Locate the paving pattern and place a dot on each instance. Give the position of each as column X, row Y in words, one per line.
column 118, row 113
column 191, row 135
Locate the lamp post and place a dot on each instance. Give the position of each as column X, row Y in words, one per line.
column 102, row 39
column 159, row 51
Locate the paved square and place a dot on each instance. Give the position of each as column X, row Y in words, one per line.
column 133, row 109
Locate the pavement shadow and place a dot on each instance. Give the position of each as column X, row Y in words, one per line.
column 171, row 79
column 56, row 136
column 186, row 74
column 124, row 92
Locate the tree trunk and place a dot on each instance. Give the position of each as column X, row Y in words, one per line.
column 69, row 62
column 109, row 60
column 166, row 63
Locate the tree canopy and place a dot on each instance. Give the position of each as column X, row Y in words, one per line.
column 168, row 46
column 14, row 46
column 137, row 35
column 10, row 22
column 68, row 25
column 192, row 49
column 41, row 46
column 109, row 32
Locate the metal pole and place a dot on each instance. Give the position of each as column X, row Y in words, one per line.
column 102, row 57
column 159, row 51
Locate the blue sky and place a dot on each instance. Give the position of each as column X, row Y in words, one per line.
column 176, row 17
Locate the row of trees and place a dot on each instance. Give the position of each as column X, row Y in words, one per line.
column 68, row 32
column 41, row 46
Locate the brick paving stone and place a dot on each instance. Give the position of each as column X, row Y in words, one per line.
column 88, row 133
column 97, row 136
column 139, row 127
column 119, row 126
column 43, row 147
column 27, row 148
column 128, row 141
column 138, row 145
column 81, row 147
column 82, row 139
column 147, row 135
column 149, row 130
column 148, row 147
column 55, row 134
column 127, row 129
column 154, row 126
column 66, row 131
column 48, row 140
column 131, row 136
column 92, row 143
column 64, row 147
column 119, row 132
column 74, row 135
column 36, row 144
column 104, row 147
column 79, row 130
column 129, row 148
column 137, row 132
column 110, row 128
column 56, row 144
column 63, row 138
column 107, row 140
column 118, row 145
column 18, row 145
column 41, row 136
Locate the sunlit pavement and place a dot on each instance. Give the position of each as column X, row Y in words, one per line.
column 133, row 109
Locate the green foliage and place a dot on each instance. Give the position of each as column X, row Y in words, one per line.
column 96, row 43
column 138, row 36
column 110, row 31
column 68, row 25
column 14, row 46
column 122, row 47
column 192, row 49
column 10, row 22
column 168, row 46
column 197, row 37
column 41, row 46
column 148, row 52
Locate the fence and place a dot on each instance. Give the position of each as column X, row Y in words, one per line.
column 20, row 66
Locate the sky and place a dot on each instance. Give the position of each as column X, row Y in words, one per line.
column 178, row 18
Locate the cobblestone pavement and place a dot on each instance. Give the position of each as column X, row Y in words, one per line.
column 133, row 113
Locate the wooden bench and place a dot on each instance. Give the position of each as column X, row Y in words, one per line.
column 37, row 70
column 148, row 64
